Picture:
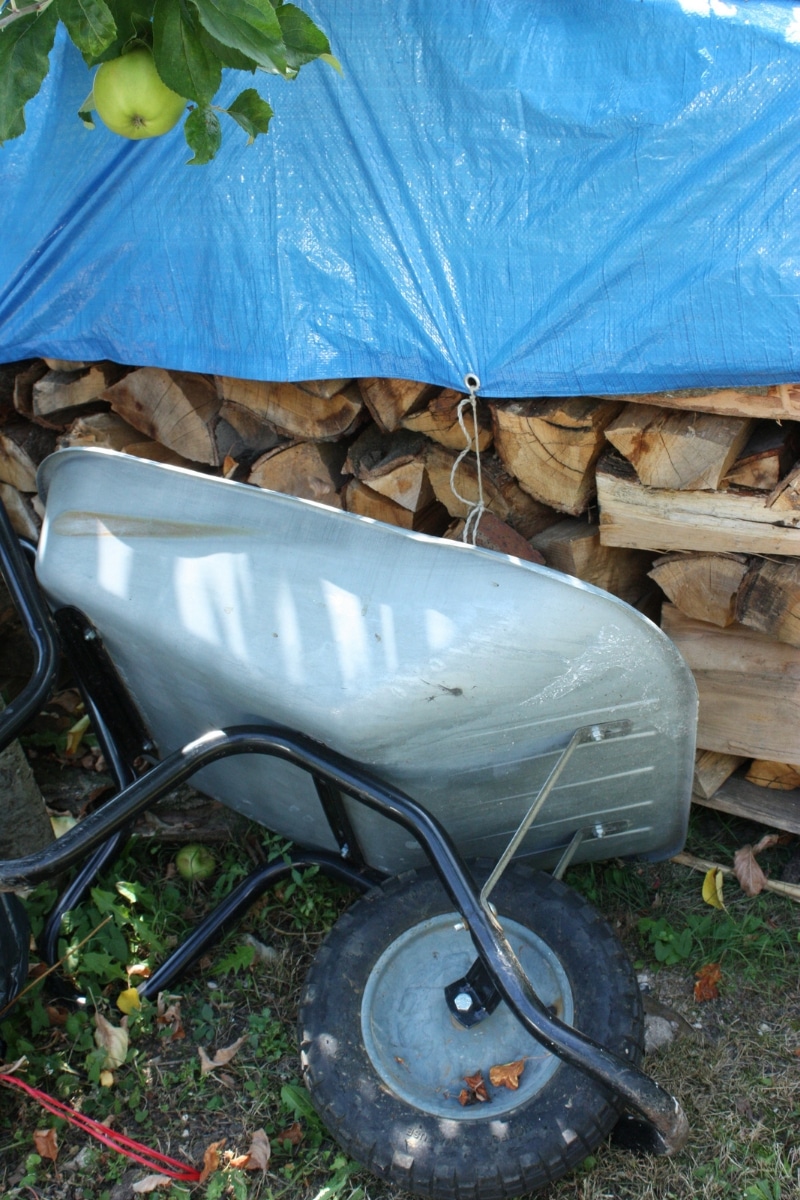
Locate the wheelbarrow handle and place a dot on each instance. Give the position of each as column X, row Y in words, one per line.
column 39, row 627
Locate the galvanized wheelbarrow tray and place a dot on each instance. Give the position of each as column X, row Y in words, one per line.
column 385, row 700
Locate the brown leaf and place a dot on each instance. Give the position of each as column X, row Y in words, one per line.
column 168, row 1016
column 507, row 1074
column 46, row 1143
column 151, row 1182
column 221, row 1058
column 293, row 1134
column 257, row 1157
column 707, row 979
column 211, row 1160
column 477, row 1088
column 113, row 1039
column 748, row 872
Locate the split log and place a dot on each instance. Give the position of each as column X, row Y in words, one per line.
column 493, row 534
column 703, row 586
column 59, row 396
column 552, row 445
column 711, row 770
column 686, row 451
column 243, row 434
column 295, row 413
column 749, row 687
column 779, row 402
column 502, row 494
column 765, row 460
column 573, row 547
column 392, row 464
column 106, row 430
column 176, row 408
column 23, row 516
column 361, row 499
column 23, row 445
column 780, row 777
column 662, row 519
column 311, row 470
column 390, row 400
column 769, row 599
column 325, row 389
column 24, row 380
column 439, row 421
column 158, row 452
column 65, row 364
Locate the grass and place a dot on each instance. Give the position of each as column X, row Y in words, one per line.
column 735, row 1066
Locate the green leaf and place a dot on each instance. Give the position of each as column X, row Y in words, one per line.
column 251, row 112
column 304, row 40
column 203, row 134
column 183, row 60
column 132, row 18
column 90, row 25
column 25, row 47
column 227, row 55
column 249, row 26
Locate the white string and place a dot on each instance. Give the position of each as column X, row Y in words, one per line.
column 477, row 509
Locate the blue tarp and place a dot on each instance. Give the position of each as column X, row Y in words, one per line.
column 563, row 196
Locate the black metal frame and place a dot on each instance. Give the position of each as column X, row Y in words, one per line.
column 659, row 1124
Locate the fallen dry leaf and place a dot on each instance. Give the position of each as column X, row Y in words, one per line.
column 168, row 1016
column 221, row 1058
column 151, row 1182
column 507, row 1074
column 294, row 1134
column 113, row 1039
column 748, row 872
column 707, row 979
column 258, row 1156
column 475, row 1091
column 211, row 1160
column 46, row 1143
column 712, row 888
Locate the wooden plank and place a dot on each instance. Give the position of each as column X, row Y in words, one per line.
column 663, row 519
column 779, row 402
column 686, row 451
column 748, row 684
column 778, row 810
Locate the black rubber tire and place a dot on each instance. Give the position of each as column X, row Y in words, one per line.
column 478, row 1153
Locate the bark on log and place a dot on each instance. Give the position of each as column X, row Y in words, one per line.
column 702, row 586
column 295, row 413
column 551, row 446
column 685, row 451
column 389, row 400
column 662, row 520
column 439, row 421
column 779, row 402
column 502, row 494
column 23, row 516
column 175, row 408
column 23, row 445
column 768, row 599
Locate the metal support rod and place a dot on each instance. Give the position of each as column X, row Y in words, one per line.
column 586, row 733
column 237, row 903
column 667, row 1127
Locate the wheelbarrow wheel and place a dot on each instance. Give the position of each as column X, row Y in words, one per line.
column 396, row 1079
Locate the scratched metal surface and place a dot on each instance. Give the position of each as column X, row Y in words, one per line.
column 458, row 674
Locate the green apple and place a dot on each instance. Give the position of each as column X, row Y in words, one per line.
column 131, row 98
column 195, row 862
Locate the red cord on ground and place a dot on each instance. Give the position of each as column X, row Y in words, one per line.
column 157, row 1162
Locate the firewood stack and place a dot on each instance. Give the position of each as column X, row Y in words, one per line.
column 696, row 492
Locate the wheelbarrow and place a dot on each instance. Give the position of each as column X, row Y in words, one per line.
column 446, row 729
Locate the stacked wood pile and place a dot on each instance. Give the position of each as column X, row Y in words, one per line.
column 695, row 492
